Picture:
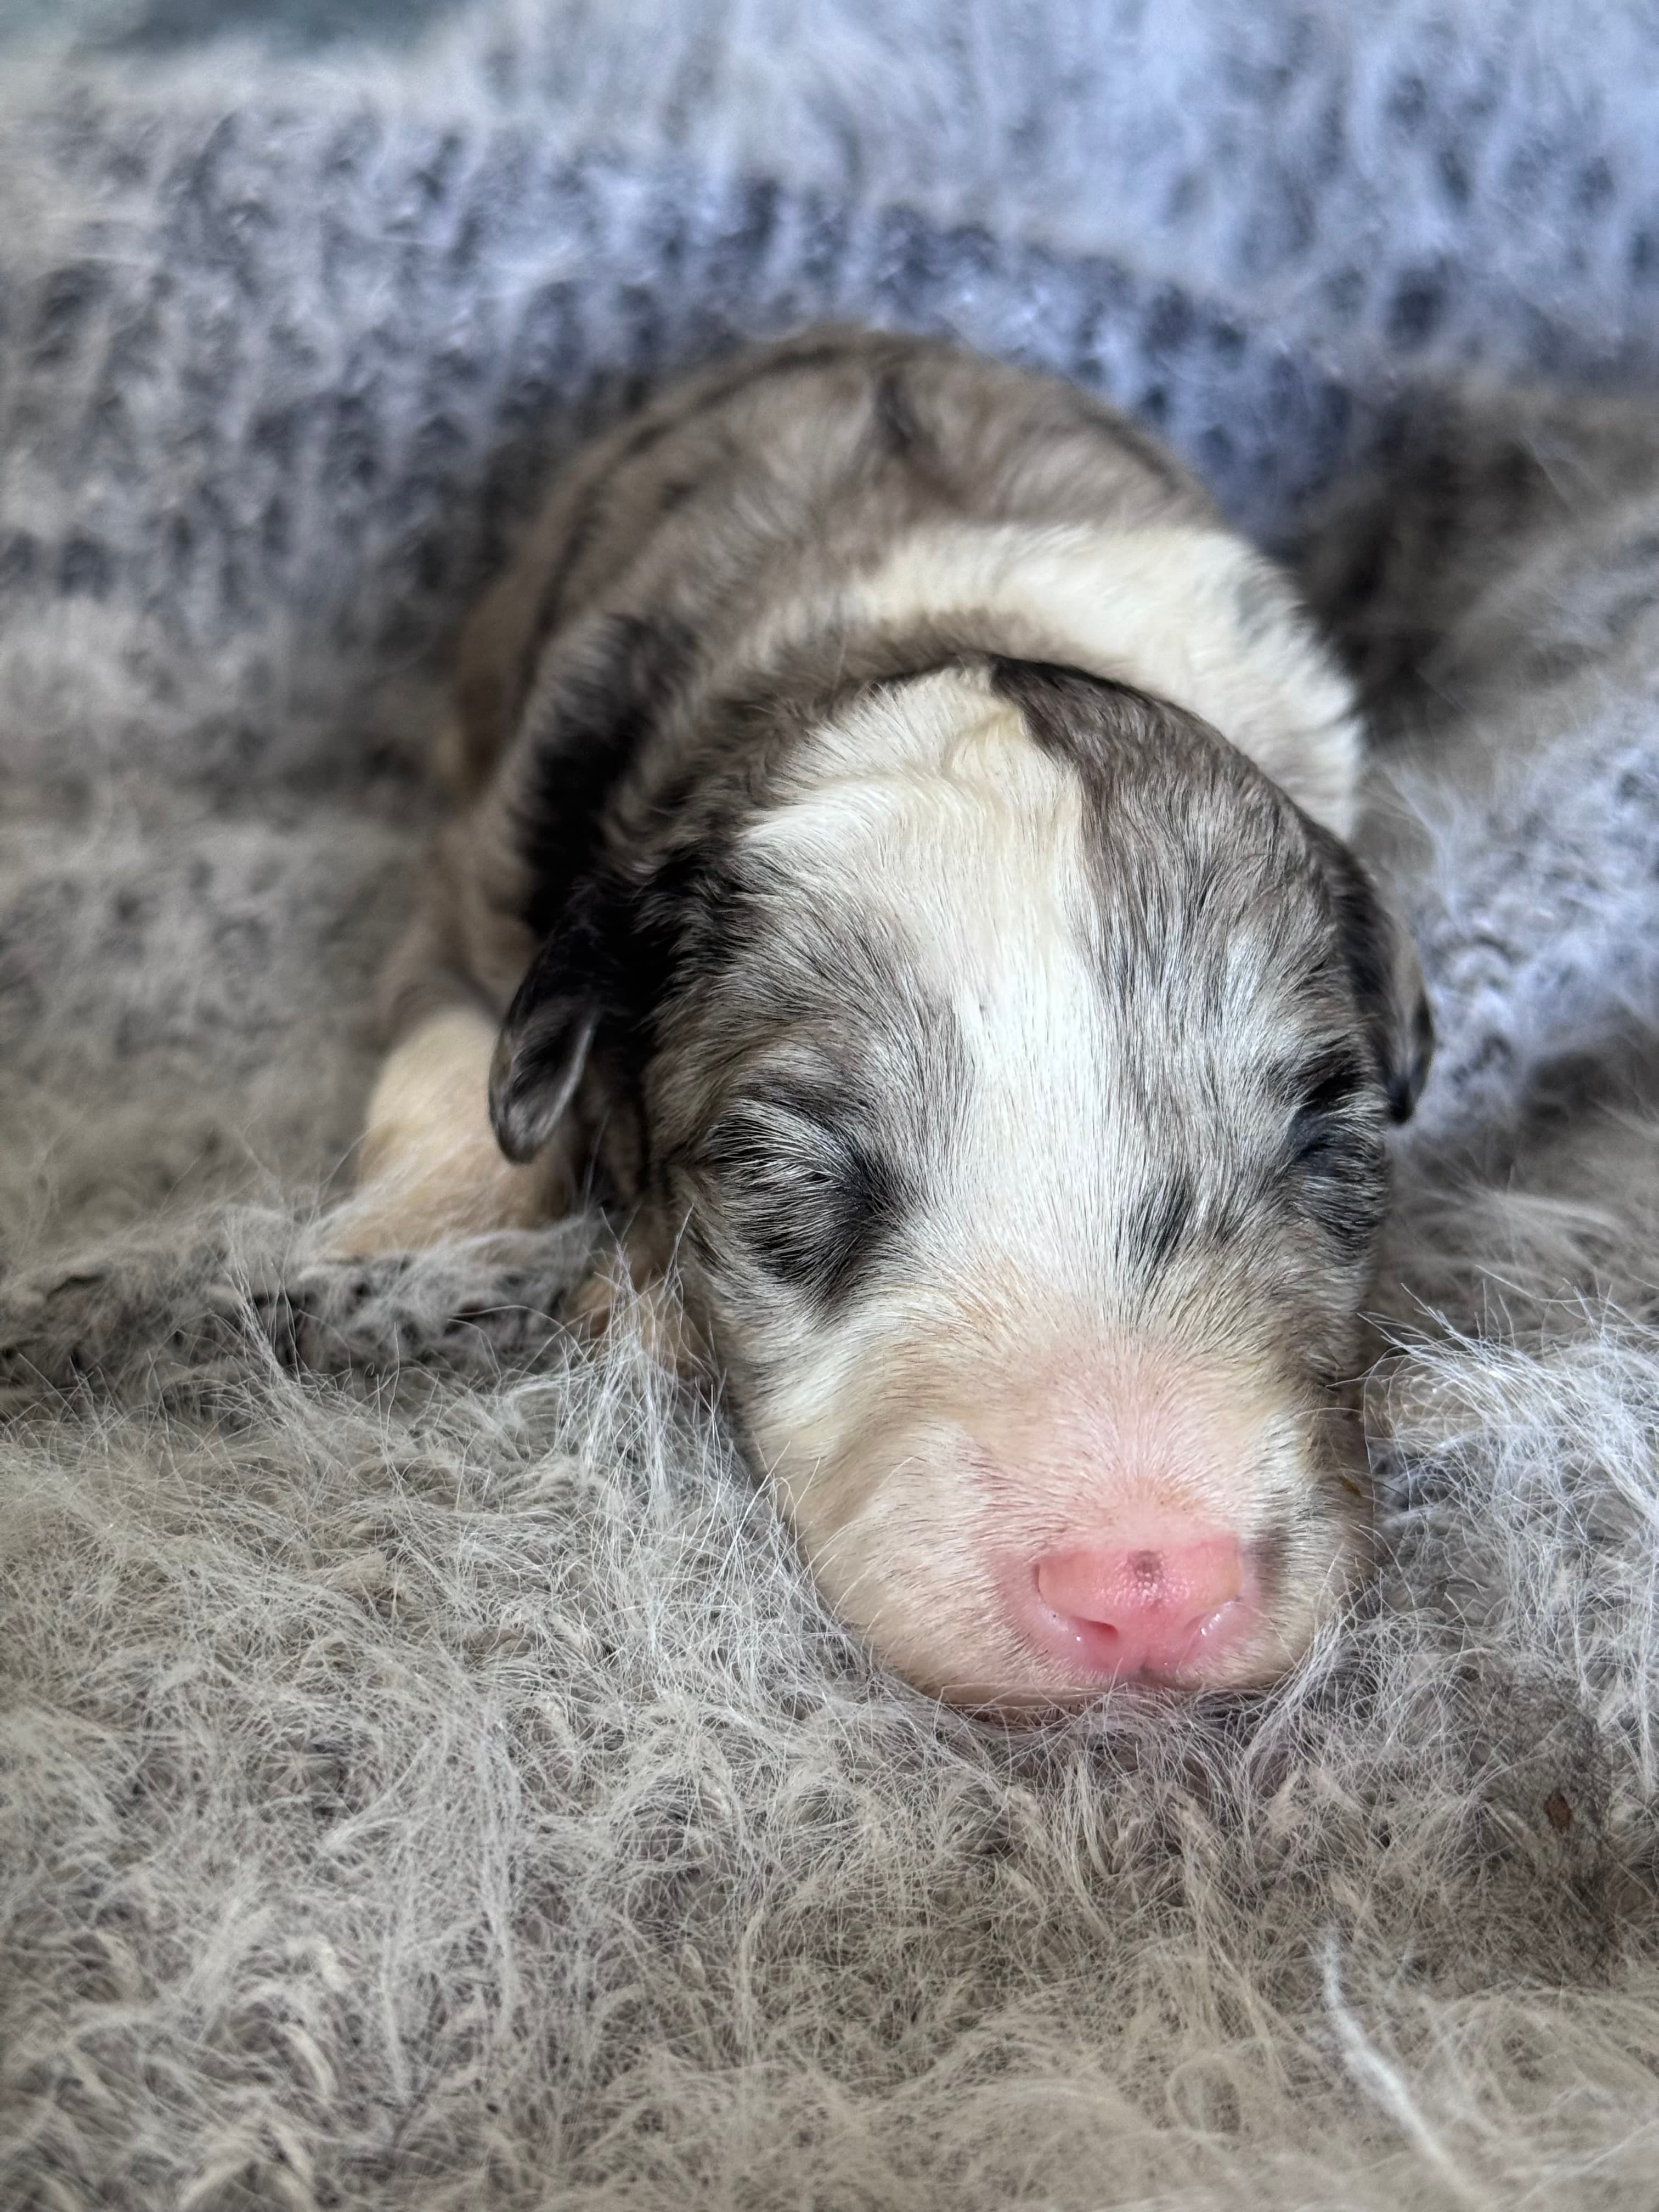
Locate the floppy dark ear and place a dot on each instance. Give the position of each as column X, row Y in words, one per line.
column 544, row 1046
column 591, row 709
column 605, row 964
column 1388, row 977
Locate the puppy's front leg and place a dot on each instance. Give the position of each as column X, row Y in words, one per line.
column 429, row 1163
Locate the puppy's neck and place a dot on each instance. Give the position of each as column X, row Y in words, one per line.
column 1186, row 614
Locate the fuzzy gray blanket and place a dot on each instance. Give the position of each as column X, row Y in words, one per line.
column 427, row 1778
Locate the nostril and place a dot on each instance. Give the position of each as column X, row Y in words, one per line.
column 1143, row 1606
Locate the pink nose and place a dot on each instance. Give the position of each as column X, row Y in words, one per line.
column 1144, row 1608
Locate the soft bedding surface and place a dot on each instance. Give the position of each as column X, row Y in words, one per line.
column 427, row 1778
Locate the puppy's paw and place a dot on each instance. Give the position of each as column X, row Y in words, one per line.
column 429, row 1167
column 419, row 1202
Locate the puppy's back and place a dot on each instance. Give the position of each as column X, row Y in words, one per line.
column 770, row 477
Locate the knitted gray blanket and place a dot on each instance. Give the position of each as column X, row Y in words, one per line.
column 427, row 1778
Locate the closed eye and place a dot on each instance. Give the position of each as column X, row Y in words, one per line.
column 1336, row 1164
column 1330, row 1120
column 1330, row 1143
column 1335, row 1079
column 809, row 1196
column 791, row 1135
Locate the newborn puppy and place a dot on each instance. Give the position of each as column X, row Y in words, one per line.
column 902, row 833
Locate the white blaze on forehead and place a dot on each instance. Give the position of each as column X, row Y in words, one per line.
column 934, row 812
column 1188, row 615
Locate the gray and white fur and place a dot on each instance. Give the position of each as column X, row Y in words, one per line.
column 900, row 857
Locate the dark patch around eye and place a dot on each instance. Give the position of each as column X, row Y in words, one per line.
column 1336, row 1156
column 814, row 1202
column 1328, row 1092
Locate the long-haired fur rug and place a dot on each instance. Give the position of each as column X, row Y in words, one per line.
column 427, row 1778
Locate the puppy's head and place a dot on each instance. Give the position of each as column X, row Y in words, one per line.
column 1012, row 1066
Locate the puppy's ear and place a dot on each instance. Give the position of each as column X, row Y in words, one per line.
column 543, row 1043
column 1388, row 977
column 583, row 723
column 603, row 967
